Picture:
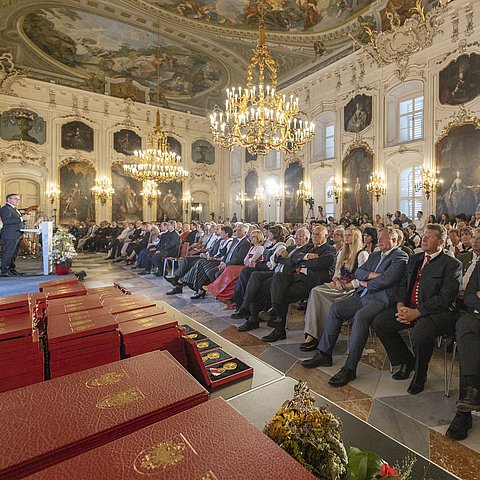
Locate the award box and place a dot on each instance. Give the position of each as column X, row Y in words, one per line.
column 139, row 313
column 105, row 292
column 212, row 441
column 13, row 304
column 217, row 372
column 58, row 283
column 49, row 422
column 20, row 358
column 65, row 291
column 73, row 304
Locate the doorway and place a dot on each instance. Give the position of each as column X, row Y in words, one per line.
column 28, row 190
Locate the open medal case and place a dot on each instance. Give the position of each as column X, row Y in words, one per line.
column 212, row 367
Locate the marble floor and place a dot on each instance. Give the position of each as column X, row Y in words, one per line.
column 418, row 422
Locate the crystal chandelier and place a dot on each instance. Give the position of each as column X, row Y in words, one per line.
column 376, row 186
column 303, row 192
column 150, row 191
column 257, row 117
column 156, row 162
column 428, row 182
column 259, row 196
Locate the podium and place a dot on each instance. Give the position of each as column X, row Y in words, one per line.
column 46, row 230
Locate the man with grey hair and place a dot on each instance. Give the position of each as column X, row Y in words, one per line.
column 375, row 282
column 258, row 286
column 425, row 300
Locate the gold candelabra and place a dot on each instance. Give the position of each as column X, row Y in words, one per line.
column 259, row 196
column 257, row 117
column 428, row 182
column 103, row 189
column 377, row 186
column 53, row 193
column 335, row 190
column 150, row 191
column 303, row 192
column 240, row 199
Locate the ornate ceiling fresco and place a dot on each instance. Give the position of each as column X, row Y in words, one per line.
column 201, row 47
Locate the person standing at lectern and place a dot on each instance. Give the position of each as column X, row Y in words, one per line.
column 11, row 234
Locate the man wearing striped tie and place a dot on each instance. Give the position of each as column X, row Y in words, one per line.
column 425, row 302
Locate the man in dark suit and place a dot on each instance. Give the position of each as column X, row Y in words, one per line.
column 312, row 268
column 11, row 235
column 425, row 301
column 376, row 281
column 468, row 341
column 258, row 286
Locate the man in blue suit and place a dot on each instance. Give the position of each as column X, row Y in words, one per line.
column 377, row 280
column 11, row 234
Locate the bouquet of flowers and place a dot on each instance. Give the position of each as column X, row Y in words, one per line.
column 310, row 434
column 63, row 249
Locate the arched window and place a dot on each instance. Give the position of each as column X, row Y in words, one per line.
column 411, row 201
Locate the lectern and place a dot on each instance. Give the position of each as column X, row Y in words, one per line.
column 46, row 231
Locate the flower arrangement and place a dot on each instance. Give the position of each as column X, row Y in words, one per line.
column 63, row 249
column 310, row 434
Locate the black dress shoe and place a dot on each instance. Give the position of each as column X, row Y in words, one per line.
column 247, row 326
column 405, row 370
column 344, row 376
column 242, row 313
column 268, row 315
column 319, row 360
column 144, row 272
column 416, row 386
column 172, row 280
column 198, row 295
column 309, row 346
column 470, row 402
column 275, row 336
column 175, row 290
column 461, row 424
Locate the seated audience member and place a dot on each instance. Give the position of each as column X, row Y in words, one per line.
column 397, row 220
column 444, row 219
column 203, row 273
column 185, row 232
column 206, row 241
column 376, row 282
column 212, row 259
column 321, row 297
column 401, row 242
column 167, row 246
column 370, row 240
column 460, row 221
column 425, row 300
column 89, row 234
column 197, row 243
column 222, row 288
column 468, row 341
column 115, row 231
column 432, row 219
column 128, row 245
column 420, row 222
column 312, row 268
column 98, row 241
column 257, row 292
column 274, row 242
column 117, row 244
column 142, row 260
column 405, row 221
column 139, row 243
column 453, row 241
column 466, row 234
column 338, row 238
column 413, row 239
column 475, row 222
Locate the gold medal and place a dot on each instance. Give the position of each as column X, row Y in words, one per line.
column 230, row 366
column 193, row 335
column 220, row 370
column 205, row 358
column 213, row 355
column 202, row 344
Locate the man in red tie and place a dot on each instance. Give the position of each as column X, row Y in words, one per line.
column 425, row 302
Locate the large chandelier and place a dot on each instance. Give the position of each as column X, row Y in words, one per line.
column 257, row 117
column 156, row 162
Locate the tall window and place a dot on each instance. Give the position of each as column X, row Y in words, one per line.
column 411, row 119
column 410, row 200
column 330, row 141
column 329, row 201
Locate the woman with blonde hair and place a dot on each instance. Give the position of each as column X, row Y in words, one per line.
column 349, row 258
